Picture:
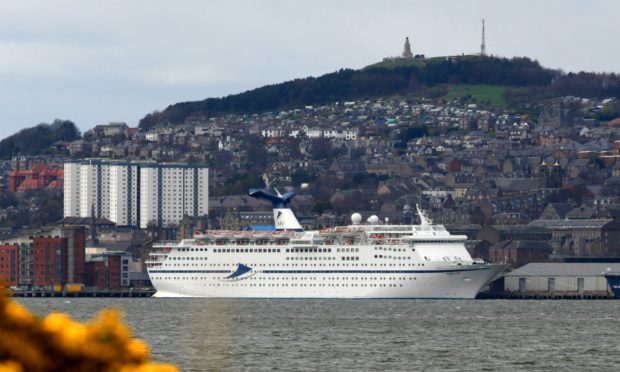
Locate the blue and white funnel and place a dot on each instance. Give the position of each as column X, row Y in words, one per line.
column 283, row 216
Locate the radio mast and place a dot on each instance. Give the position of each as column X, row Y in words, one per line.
column 483, row 51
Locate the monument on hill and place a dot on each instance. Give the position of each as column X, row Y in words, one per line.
column 407, row 50
column 405, row 55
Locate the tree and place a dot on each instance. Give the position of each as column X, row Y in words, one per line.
column 38, row 139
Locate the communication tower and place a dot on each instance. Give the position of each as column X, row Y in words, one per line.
column 483, row 51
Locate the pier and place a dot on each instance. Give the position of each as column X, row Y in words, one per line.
column 86, row 293
column 544, row 296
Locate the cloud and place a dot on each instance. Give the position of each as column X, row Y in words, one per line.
column 113, row 59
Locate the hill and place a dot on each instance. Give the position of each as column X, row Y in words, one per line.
column 373, row 81
column 38, row 139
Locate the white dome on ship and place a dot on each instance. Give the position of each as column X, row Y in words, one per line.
column 373, row 219
column 356, row 218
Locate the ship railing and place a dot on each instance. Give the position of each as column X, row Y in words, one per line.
column 166, row 244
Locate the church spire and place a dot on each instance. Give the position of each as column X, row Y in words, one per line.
column 407, row 49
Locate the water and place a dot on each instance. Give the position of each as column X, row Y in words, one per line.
column 354, row 335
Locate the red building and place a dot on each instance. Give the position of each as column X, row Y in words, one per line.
column 95, row 275
column 47, row 260
column 9, row 265
column 108, row 270
column 40, row 176
column 59, row 259
column 114, row 271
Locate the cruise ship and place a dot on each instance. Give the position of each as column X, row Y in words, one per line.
column 361, row 260
column 613, row 280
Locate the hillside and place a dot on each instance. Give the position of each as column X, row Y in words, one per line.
column 505, row 82
column 38, row 139
column 373, row 81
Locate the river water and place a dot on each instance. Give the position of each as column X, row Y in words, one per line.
column 366, row 335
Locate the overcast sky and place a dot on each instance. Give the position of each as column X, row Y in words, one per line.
column 93, row 62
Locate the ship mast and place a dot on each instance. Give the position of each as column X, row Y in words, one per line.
column 424, row 221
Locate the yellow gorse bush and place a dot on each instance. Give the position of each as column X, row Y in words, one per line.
column 58, row 343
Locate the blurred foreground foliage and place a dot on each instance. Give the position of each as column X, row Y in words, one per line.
column 58, row 343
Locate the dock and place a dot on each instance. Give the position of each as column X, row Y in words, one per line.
column 545, row 296
column 147, row 292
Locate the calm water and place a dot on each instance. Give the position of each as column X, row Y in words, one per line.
column 339, row 335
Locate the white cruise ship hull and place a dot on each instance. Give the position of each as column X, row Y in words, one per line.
column 462, row 282
column 373, row 260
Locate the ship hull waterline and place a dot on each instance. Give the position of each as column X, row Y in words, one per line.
column 459, row 283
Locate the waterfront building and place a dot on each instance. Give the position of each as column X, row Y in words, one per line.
column 9, row 264
column 45, row 258
column 58, row 258
column 108, row 270
column 135, row 193
column 557, row 278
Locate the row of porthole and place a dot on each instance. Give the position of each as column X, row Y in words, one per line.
column 394, row 257
column 289, row 265
column 390, row 249
column 301, row 285
column 293, row 278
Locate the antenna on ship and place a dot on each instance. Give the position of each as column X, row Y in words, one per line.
column 483, row 48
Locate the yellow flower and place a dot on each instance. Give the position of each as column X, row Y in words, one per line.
column 59, row 343
column 17, row 313
column 56, row 322
column 11, row 366
column 150, row 367
column 137, row 350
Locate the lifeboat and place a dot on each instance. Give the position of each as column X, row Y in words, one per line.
column 200, row 235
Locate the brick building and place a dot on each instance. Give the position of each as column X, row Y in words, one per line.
column 9, row 265
column 59, row 258
column 95, row 274
column 47, row 256
column 108, row 270
column 583, row 238
column 40, row 176
column 517, row 253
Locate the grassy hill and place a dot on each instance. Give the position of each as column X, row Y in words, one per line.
column 395, row 63
column 492, row 94
column 498, row 81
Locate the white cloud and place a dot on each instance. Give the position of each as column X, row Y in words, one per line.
column 100, row 60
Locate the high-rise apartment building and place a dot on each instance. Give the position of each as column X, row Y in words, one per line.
column 135, row 193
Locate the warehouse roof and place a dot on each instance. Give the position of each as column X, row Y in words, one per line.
column 571, row 224
column 564, row 269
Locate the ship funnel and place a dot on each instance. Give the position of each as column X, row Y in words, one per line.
column 283, row 216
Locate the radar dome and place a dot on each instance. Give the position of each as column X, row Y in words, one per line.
column 373, row 219
column 356, row 218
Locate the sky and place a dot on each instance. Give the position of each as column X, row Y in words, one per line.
column 94, row 62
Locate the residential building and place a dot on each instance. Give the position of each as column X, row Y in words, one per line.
column 135, row 193
column 9, row 264
column 58, row 258
column 40, row 176
column 44, row 258
column 108, row 270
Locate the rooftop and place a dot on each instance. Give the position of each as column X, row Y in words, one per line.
column 564, row 269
